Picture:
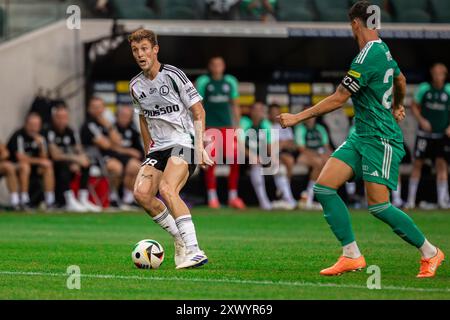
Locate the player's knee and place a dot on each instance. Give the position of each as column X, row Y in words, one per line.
column 9, row 168
column 166, row 190
column 24, row 168
column 114, row 167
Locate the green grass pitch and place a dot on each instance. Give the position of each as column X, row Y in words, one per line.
column 252, row 255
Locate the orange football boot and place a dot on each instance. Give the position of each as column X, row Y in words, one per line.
column 237, row 203
column 429, row 266
column 214, row 204
column 344, row 264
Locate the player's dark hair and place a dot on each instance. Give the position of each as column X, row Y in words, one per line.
column 359, row 11
column 142, row 34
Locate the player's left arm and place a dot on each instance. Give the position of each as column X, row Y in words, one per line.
column 199, row 115
column 399, row 96
column 329, row 104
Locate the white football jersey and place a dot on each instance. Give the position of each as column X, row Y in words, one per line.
column 165, row 102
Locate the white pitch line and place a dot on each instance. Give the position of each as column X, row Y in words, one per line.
column 233, row 281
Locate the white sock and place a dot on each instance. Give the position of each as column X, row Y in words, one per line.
column 212, row 195
column 442, row 192
column 259, row 185
column 427, row 250
column 282, row 183
column 128, row 196
column 69, row 196
column 310, row 190
column 83, row 195
column 397, row 195
column 49, row 197
column 232, row 194
column 187, row 232
column 113, row 196
column 351, row 250
column 412, row 190
column 350, row 187
column 167, row 222
column 14, row 199
column 24, row 197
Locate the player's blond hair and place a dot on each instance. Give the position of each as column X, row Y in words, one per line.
column 142, row 34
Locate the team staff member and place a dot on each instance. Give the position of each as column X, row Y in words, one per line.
column 431, row 108
column 220, row 99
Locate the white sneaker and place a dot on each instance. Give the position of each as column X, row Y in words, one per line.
column 283, row 205
column 410, row 206
column 398, row 203
column 75, row 206
column 89, row 206
column 180, row 252
column 444, row 205
column 193, row 260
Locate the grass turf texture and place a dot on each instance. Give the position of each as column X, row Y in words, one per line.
column 252, row 255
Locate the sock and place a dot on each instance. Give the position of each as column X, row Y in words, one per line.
column 187, row 232
column 350, row 188
column 412, row 190
column 336, row 213
column 83, row 195
column 113, row 196
column 232, row 194
column 49, row 197
column 400, row 223
column 442, row 192
column 397, row 195
column 351, row 250
column 14, row 199
column 128, row 196
column 310, row 191
column 259, row 185
column 167, row 222
column 212, row 195
column 24, row 197
column 69, row 196
column 427, row 250
column 282, row 183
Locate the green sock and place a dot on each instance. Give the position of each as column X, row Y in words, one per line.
column 400, row 223
column 336, row 213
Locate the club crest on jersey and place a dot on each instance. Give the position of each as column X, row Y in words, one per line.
column 164, row 90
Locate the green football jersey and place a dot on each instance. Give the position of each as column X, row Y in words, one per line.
column 435, row 105
column 370, row 80
column 262, row 131
column 217, row 97
column 311, row 138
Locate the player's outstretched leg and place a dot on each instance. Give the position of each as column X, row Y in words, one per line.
column 173, row 180
column 404, row 227
column 145, row 189
column 334, row 175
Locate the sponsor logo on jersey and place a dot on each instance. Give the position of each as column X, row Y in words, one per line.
column 152, row 91
column 142, row 96
column 164, row 90
column 160, row 111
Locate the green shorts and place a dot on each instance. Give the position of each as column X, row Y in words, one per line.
column 372, row 159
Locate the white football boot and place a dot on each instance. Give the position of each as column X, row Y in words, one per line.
column 193, row 260
column 180, row 252
column 89, row 206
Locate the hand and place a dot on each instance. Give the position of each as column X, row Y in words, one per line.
column 204, row 158
column 83, row 160
column 45, row 163
column 103, row 122
column 39, row 139
column 287, row 120
column 399, row 113
column 425, row 125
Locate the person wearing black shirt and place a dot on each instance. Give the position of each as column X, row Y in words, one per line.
column 131, row 148
column 28, row 148
column 8, row 170
column 68, row 157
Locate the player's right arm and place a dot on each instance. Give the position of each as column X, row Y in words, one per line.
column 399, row 96
column 331, row 103
column 145, row 133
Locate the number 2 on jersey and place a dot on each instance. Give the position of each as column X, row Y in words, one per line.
column 387, row 102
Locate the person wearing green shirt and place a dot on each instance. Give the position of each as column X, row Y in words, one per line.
column 220, row 94
column 373, row 152
column 431, row 108
column 314, row 144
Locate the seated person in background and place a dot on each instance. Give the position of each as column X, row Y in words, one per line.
column 68, row 159
column 97, row 133
column 28, row 149
column 131, row 149
column 222, row 9
column 312, row 139
column 262, row 127
column 263, row 10
column 8, row 170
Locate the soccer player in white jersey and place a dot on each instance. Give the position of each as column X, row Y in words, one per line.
column 167, row 103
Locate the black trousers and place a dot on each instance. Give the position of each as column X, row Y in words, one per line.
column 63, row 178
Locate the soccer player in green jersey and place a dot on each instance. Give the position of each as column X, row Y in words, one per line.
column 431, row 108
column 373, row 152
column 314, row 144
column 220, row 98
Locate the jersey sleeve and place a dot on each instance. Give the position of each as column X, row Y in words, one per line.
column 359, row 74
column 201, row 84
column 300, row 135
column 323, row 134
column 234, row 91
column 420, row 93
column 188, row 94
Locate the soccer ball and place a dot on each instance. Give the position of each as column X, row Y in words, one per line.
column 148, row 254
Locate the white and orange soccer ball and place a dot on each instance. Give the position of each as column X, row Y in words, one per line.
column 148, row 254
